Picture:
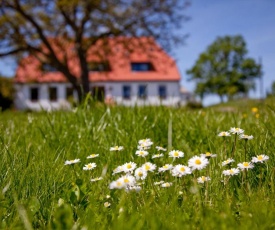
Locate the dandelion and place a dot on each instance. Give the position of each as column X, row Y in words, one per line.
column 89, row 166
column 148, row 166
column 227, row 162
column 107, row 204
column 166, row 167
column 203, row 179
column 176, row 154
column 208, row 155
column 237, row 131
column 142, row 153
column 181, row 170
column 70, row 162
column 197, row 162
column 159, row 148
column 260, row 158
column 224, row 134
column 245, row 165
column 92, row 156
column 140, row 173
column 116, row 148
column 166, row 184
column 231, row 172
column 246, row 137
column 96, row 179
column 254, row 110
column 129, row 167
column 157, row 156
column 257, row 115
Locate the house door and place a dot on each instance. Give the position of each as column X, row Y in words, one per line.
column 98, row 93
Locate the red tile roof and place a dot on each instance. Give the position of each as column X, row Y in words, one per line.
column 122, row 53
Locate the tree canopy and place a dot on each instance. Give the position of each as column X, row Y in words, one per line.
column 26, row 27
column 223, row 69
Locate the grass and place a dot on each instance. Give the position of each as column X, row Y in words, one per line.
column 39, row 192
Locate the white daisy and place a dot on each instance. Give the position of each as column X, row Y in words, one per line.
column 70, row 162
column 245, row 165
column 89, row 166
column 181, row 170
column 118, row 170
column 140, row 173
column 231, row 172
column 208, row 155
column 92, row 156
column 148, row 166
column 158, row 182
column 260, row 158
column 116, row 148
column 145, row 142
column 159, row 148
column 203, row 179
column 176, row 154
column 197, row 162
column 142, row 153
column 224, row 134
column 128, row 180
column 107, row 204
column 157, row 155
column 227, row 162
column 236, row 131
column 129, row 167
column 118, row 184
column 246, row 137
column 166, row 167
column 166, row 184
column 96, row 179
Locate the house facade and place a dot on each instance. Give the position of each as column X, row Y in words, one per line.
column 145, row 76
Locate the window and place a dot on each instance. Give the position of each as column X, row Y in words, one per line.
column 142, row 91
column 48, row 68
column 162, row 92
column 69, row 93
column 34, row 91
column 52, row 93
column 126, row 92
column 99, row 66
column 141, row 66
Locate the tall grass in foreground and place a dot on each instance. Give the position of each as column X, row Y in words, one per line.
column 38, row 191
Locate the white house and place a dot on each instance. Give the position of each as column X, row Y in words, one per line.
column 145, row 76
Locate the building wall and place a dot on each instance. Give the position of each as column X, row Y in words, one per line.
column 112, row 89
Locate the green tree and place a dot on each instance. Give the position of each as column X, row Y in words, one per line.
column 223, row 69
column 28, row 27
column 6, row 92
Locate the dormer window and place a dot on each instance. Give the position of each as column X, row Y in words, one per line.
column 99, row 66
column 142, row 66
column 48, row 68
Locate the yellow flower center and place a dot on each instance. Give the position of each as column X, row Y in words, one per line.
column 208, row 154
column 147, row 167
column 129, row 166
column 126, row 180
column 260, row 157
column 118, row 183
column 165, row 166
column 231, row 171
column 203, row 178
column 245, row 164
column 141, row 153
column 182, row 169
column 176, row 154
column 140, row 174
column 198, row 162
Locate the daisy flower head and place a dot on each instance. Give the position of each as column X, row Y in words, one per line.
column 128, row 180
column 116, row 148
column 246, row 137
column 107, row 204
column 148, row 166
column 92, row 156
column 181, row 170
column 70, row 162
column 231, row 172
column 96, row 179
column 260, row 158
column 166, row 167
column 224, row 134
column 140, row 173
column 129, row 167
column 157, row 155
column 197, row 162
column 236, row 131
column 145, row 143
column 118, row 169
column 166, row 184
column 118, row 184
column 227, row 162
column 176, row 154
column 89, row 166
column 159, row 148
column 208, row 155
column 203, row 179
column 142, row 153
column 158, row 182
column 245, row 165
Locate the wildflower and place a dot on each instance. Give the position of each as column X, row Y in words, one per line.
column 129, row 167
column 127, row 180
column 180, row 192
column 203, row 179
column 107, row 204
column 133, row 188
column 96, row 179
column 144, row 144
column 245, row 165
column 227, row 162
column 257, row 115
column 254, row 110
column 142, row 153
column 246, row 137
column 181, row 170
column 157, row 156
column 208, row 155
column 260, row 158
column 118, row 184
column 70, row 162
column 236, row 131
column 118, row 170
column 166, row 184
column 158, row 182
column 159, row 148
column 92, row 156
column 140, row 174
column 176, row 154
column 89, row 166
column 224, row 134
column 197, row 162
column 148, row 166
column 231, row 172
column 108, row 196
column 116, row 148
column 166, row 167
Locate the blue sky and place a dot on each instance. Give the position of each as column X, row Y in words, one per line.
column 253, row 19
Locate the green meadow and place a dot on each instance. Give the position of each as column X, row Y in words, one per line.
column 39, row 191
